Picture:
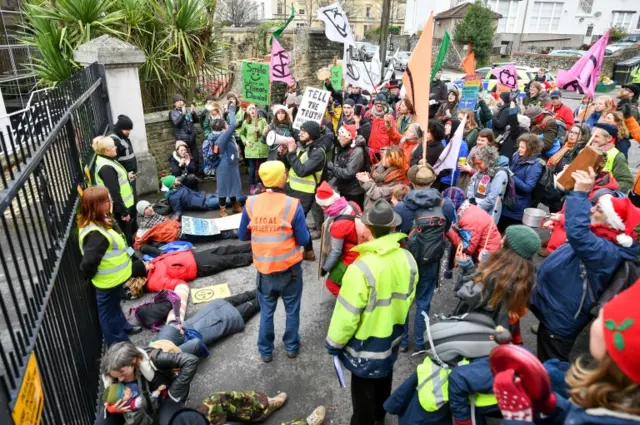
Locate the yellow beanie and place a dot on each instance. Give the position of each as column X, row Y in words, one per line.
column 272, row 173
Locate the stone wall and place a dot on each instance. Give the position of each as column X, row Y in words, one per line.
column 313, row 51
column 554, row 63
column 452, row 60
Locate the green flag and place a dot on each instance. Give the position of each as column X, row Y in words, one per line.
column 444, row 47
column 277, row 33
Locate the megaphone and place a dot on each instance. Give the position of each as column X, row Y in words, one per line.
column 274, row 138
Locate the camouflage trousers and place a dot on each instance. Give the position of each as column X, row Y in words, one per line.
column 242, row 406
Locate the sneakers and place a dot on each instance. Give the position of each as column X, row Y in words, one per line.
column 404, row 348
column 235, row 207
column 317, row 416
column 266, row 359
column 223, row 211
column 534, row 329
column 276, row 402
column 292, row 355
column 309, row 256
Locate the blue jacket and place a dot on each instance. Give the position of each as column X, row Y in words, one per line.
column 184, row 199
column 526, row 173
column 462, row 153
column 561, row 300
column 419, row 199
column 593, row 118
column 567, row 413
column 407, row 217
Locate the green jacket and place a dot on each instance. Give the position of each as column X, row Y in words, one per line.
column 254, row 148
column 618, row 166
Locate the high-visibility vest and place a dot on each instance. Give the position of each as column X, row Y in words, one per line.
column 611, row 158
column 272, row 240
column 126, row 192
column 433, row 385
column 304, row 184
column 115, row 267
column 481, row 400
column 127, row 148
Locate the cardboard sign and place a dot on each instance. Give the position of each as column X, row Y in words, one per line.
column 30, row 401
column 199, row 226
column 312, row 107
column 204, row 295
column 469, row 96
column 255, row 82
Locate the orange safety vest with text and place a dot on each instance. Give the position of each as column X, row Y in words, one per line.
column 272, row 240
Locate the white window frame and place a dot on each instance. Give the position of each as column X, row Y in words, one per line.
column 623, row 19
column 509, row 20
column 556, row 15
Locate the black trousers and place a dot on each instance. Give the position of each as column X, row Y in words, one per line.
column 552, row 346
column 358, row 199
column 219, row 259
column 506, row 222
column 246, row 303
column 367, row 396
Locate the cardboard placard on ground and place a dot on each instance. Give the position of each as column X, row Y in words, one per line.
column 255, row 82
column 199, row 226
column 204, row 295
column 312, row 107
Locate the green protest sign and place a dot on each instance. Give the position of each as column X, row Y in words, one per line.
column 336, row 77
column 255, row 82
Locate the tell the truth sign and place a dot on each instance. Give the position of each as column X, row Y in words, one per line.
column 255, row 82
column 312, row 106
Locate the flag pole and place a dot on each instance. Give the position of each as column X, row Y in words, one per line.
column 457, row 52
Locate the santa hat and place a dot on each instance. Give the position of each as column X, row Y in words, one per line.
column 621, row 330
column 621, row 215
column 348, row 131
column 326, row 196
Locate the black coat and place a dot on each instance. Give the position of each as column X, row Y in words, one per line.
column 348, row 162
column 124, row 147
column 109, row 176
column 185, row 129
column 434, row 149
column 178, row 170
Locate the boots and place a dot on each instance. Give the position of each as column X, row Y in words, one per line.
column 309, row 256
column 235, row 207
column 317, row 416
column 223, row 211
column 276, row 402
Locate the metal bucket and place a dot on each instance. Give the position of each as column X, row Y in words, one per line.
column 533, row 217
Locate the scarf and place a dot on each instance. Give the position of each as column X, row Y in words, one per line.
column 336, row 208
column 403, row 123
column 146, row 223
column 376, row 114
column 388, row 175
column 606, row 148
column 555, row 159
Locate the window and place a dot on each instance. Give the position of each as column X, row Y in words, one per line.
column 279, row 9
column 509, row 11
column 300, row 25
column 368, row 12
column 585, row 6
column 622, row 19
column 638, row 24
column 545, row 17
column 301, row 11
column 589, row 30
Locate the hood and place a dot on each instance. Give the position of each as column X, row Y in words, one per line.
column 422, row 199
column 360, row 141
column 381, row 246
column 503, row 161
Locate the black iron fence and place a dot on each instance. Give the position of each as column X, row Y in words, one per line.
column 47, row 310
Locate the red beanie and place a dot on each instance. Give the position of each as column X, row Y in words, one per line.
column 622, row 216
column 621, row 319
column 325, row 196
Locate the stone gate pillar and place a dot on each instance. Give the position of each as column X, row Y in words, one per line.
column 121, row 61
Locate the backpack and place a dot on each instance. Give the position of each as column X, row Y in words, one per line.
column 426, row 239
column 509, row 196
column 363, row 232
column 545, row 188
column 211, row 152
column 624, row 277
column 153, row 313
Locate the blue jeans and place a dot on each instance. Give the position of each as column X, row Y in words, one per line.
column 288, row 285
column 113, row 323
column 254, row 165
column 427, row 278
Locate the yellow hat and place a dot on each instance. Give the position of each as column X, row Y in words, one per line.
column 272, row 173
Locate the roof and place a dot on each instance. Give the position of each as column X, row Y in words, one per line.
column 458, row 12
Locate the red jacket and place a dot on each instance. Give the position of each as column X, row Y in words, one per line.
column 477, row 221
column 564, row 113
column 170, row 270
column 379, row 137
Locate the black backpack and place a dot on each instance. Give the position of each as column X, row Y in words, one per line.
column 624, row 277
column 545, row 188
column 426, row 239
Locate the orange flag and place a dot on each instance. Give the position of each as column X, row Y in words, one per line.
column 469, row 62
column 416, row 77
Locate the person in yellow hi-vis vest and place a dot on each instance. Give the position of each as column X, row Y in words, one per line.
column 111, row 174
column 432, row 395
column 368, row 320
column 107, row 262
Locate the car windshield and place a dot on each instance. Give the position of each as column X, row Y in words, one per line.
column 404, row 55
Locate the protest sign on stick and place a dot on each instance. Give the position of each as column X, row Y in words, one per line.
column 336, row 76
column 255, row 82
column 469, row 96
column 312, row 106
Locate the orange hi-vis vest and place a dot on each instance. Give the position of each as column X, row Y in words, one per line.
column 272, row 240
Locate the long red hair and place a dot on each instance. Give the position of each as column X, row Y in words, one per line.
column 95, row 207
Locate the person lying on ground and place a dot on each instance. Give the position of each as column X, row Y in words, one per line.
column 182, row 199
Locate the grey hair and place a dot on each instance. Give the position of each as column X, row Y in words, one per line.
column 605, row 133
column 487, row 154
column 119, row 355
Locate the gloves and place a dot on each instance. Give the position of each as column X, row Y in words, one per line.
column 323, row 272
column 626, row 110
column 513, row 400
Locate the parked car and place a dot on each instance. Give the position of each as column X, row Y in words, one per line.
column 623, row 43
column 579, row 53
column 402, row 59
column 365, row 51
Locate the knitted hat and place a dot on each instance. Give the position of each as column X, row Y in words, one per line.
column 523, row 240
column 533, row 112
column 380, row 98
column 621, row 320
column 176, row 98
column 326, row 196
column 456, row 195
column 124, row 123
column 168, row 181
column 349, row 102
column 113, row 393
column 141, row 206
column 272, row 173
column 348, row 130
column 277, row 108
column 609, row 128
column 312, row 128
column 421, row 175
column 181, row 143
column 621, row 215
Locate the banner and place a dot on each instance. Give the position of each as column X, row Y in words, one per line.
column 336, row 24
column 442, row 54
column 448, row 159
column 360, row 74
column 312, row 106
column 583, row 76
column 278, row 32
column 414, row 80
column 279, row 65
column 507, row 76
column 255, row 82
column 469, row 62
column 469, row 95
